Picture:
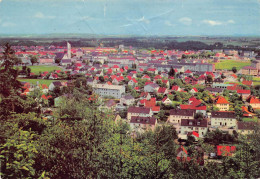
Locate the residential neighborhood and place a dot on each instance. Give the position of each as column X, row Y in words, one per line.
column 148, row 89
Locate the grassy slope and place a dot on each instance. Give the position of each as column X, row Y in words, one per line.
column 229, row 64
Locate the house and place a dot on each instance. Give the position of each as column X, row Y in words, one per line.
column 166, row 82
column 214, row 91
column 223, row 119
column 45, row 88
column 133, row 82
column 166, row 101
column 254, row 102
column 193, row 91
column 152, row 87
column 195, row 104
column 142, row 124
column 245, row 127
column 176, row 88
column 91, row 82
column 54, row 84
column 145, row 95
column 191, row 80
column 53, row 76
column 182, row 154
column 225, row 150
column 152, row 104
column 108, row 105
column 199, row 126
column 139, row 111
column 146, row 77
column 162, row 91
column 201, row 79
column 249, row 70
column 247, row 83
column 127, row 100
column 231, row 78
column 115, row 91
column 177, row 114
column 244, row 93
column 221, row 103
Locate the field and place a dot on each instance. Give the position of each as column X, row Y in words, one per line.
column 229, row 64
column 254, row 119
column 37, row 69
column 41, row 81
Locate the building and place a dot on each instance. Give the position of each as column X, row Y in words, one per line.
column 142, row 124
column 199, row 126
column 222, row 119
column 249, row 70
column 139, row 111
column 244, row 93
column 245, row 127
column 254, row 102
column 115, row 91
column 177, row 114
column 222, row 103
column 127, row 100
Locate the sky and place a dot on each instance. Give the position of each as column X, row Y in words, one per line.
column 131, row 17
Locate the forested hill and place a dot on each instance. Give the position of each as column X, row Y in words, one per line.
column 158, row 43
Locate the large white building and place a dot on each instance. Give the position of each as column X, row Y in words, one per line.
column 222, row 119
column 109, row 90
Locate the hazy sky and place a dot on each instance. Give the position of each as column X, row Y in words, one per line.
column 131, row 17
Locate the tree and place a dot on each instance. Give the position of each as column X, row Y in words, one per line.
column 33, row 59
column 234, row 69
column 171, row 72
column 18, row 156
column 9, row 85
column 102, row 79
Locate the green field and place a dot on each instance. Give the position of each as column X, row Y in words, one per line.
column 37, row 69
column 254, row 119
column 229, row 64
column 41, row 81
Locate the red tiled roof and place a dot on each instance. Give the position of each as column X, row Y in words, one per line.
column 161, row 90
column 221, row 100
column 175, row 88
column 248, row 83
column 225, row 150
column 253, row 100
column 187, row 71
column 243, row 91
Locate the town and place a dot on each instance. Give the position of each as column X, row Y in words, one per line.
column 201, row 94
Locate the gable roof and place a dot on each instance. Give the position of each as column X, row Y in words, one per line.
column 245, row 125
column 221, row 100
column 223, row 114
column 182, row 112
column 143, row 120
column 140, row 110
column 243, row 91
column 253, row 100
column 194, row 122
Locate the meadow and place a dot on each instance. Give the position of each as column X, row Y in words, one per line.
column 41, row 81
column 229, row 64
column 38, row 69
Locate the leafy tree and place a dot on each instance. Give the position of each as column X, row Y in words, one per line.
column 234, row 69
column 33, row 59
column 18, row 156
column 171, row 72
column 9, row 85
column 199, row 116
column 101, row 78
